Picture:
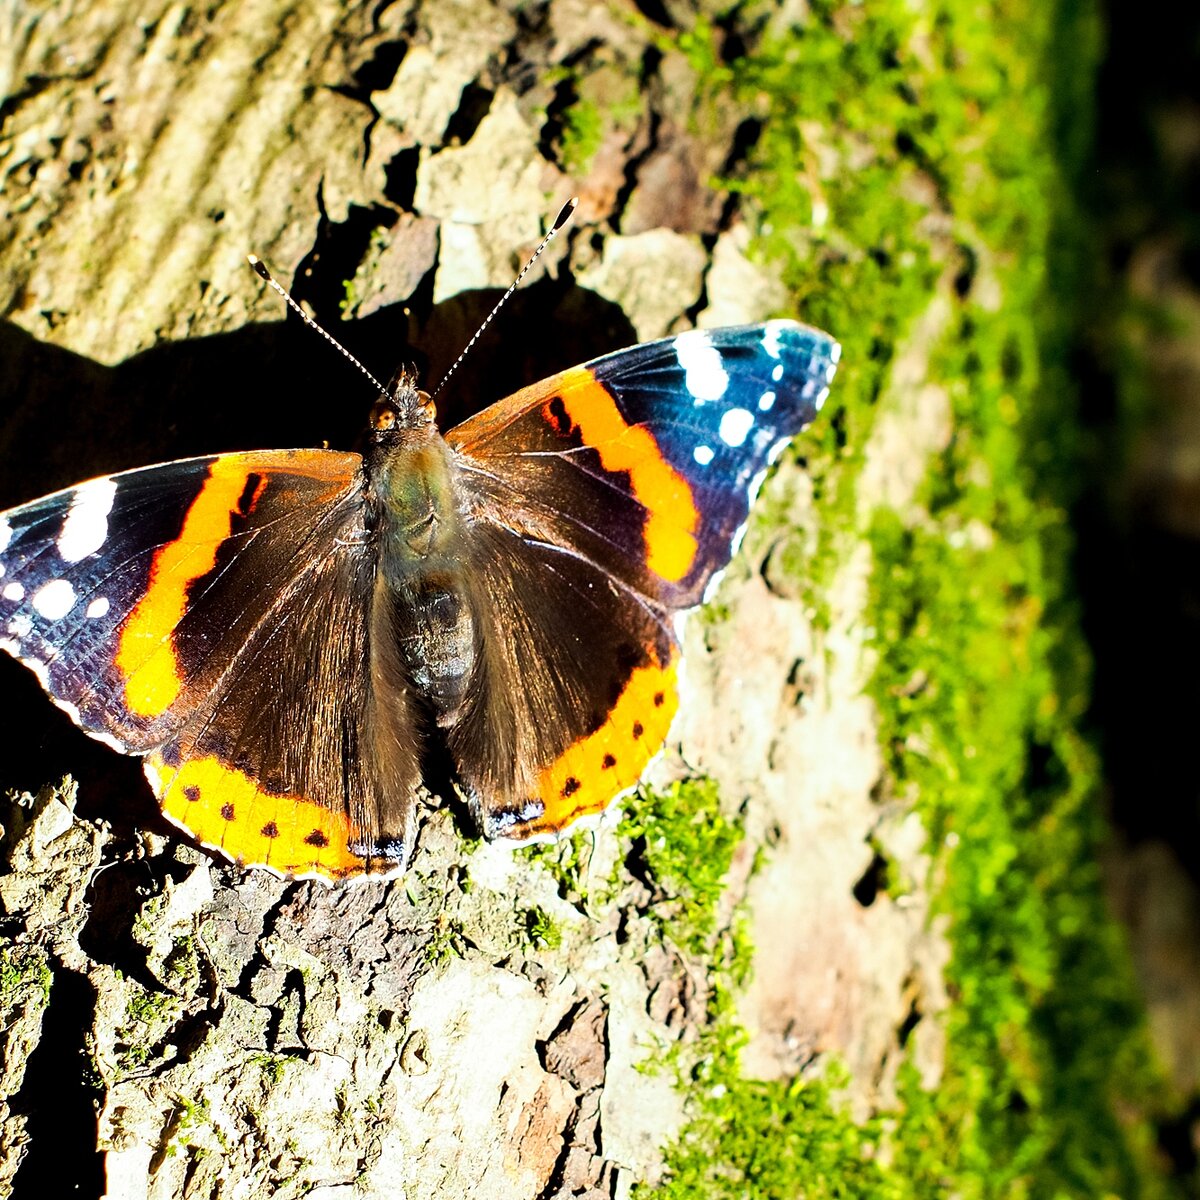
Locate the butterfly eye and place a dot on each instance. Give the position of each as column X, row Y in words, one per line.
column 383, row 417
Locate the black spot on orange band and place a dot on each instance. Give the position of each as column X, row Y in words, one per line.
column 256, row 484
column 611, row 758
column 555, row 413
column 229, row 810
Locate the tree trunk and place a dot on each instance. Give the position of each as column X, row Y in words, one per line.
column 499, row 1023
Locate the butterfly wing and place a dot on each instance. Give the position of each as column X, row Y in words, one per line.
column 609, row 497
column 214, row 615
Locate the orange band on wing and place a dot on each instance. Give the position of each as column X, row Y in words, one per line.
column 592, row 771
column 146, row 657
column 671, row 517
column 226, row 810
column 146, row 654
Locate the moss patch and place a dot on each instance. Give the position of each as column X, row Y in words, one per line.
column 25, row 977
column 681, row 845
column 844, row 214
column 604, row 102
column 906, row 154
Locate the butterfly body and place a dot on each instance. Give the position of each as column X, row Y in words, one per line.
column 423, row 549
column 281, row 634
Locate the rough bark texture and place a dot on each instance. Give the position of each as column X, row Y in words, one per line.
column 252, row 1036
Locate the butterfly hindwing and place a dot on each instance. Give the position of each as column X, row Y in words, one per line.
column 572, row 695
column 211, row 614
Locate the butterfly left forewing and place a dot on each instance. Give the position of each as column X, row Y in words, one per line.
column 646, row 461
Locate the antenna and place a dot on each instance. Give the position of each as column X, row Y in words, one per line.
column 261, row 269
column 564, row 215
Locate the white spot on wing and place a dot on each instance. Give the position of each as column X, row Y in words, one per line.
column 777, row 372
column 703, row 455
column 13, row 591
column 772, row 456
column 822, row 398
column 21, row 626
column 86, row 526
column 98, row 607
column 771, row 335
column 108, row 739
column 705, row 374
column 835, row 355
column 735, row 424
column 54, row 600
column 766, row 401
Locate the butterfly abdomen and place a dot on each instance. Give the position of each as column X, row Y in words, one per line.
column 423, row 540
column 435, row 635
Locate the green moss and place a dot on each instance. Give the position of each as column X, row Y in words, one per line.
column 1047, row 1053
column 775, row 1141
column 148, row 1017
column 583, row 131
column 446, row 943
column 181, row 967
column 682, row 844
column 351, row 299
column 191, row 1117
column 567, row 861
column 149, row 1008
column 24, row 974
column 540, row 930
column 272, row 1066
column 844, row 214
column 905, row 149
column 593, row 106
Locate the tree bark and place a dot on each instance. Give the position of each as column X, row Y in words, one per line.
column 484, row 1026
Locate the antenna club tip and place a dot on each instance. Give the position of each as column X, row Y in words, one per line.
column 564, row 214
column 259, row 267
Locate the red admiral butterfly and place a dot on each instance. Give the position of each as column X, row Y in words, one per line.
column 279, row 633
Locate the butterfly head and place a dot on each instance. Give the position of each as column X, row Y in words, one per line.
column 404, row 409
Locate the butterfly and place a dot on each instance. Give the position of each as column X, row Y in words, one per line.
column 281, row 634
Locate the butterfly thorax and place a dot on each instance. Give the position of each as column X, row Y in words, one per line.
column 421, row 537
